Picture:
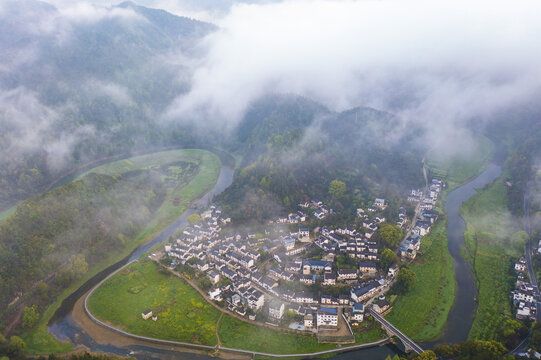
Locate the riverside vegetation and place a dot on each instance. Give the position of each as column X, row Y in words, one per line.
column 494, row 241
column 422, row 312
column 65, row 236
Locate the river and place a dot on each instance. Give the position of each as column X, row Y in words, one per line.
column 459, row 321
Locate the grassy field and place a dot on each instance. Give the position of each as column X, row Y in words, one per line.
column 422, row 312
column 459, row 168
column 493, row 241
column 39, row 341
column 240, row 335
column 183, row 315
column 4, row 214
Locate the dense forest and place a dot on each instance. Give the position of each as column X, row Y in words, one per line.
column 54, row 238
column 292, row 148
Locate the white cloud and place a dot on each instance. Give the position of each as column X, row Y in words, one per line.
column 451, row 61
column 117, row 93
column 33, row 126
column 87, row 13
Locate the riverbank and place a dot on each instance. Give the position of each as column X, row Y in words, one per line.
column 422, row 312
column 39, row 341
column 494, row 242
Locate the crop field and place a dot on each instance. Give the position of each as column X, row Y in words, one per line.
column 422, row 312
column 494, row 240
column 183, row 315
column 237, row 334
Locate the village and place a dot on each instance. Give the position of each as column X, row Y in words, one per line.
column 316, row 280
column 523, row 295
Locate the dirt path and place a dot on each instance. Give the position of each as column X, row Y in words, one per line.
column 207, row 298
column 217, row 326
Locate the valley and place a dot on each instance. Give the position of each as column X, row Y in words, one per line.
column 269, row 179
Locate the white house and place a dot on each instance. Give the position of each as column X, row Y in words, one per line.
column 358, row 312
column 327, row 316
column 276, row 309
column 393, row 270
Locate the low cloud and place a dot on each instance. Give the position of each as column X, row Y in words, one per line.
column 116, row 93
column 439, row 64
column 34, row 127
column 88, row 13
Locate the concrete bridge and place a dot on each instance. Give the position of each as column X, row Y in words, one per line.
column 408, row 343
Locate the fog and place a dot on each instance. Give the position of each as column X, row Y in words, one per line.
column 436, row 63
column 442, row 65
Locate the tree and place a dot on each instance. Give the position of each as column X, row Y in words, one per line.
column 194, row 219
column 404, row 281
column 443, row 350
column 387, row 258
column 518, row 240
column 30, row 316
column 389, row 235
column 78, row 265
column 535, row 340
column 427, row 355
column 337, row 189
column 16, row 346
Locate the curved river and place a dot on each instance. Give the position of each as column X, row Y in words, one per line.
column 460, row 318
column 458, row 323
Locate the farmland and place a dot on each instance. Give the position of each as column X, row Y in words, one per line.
column 493, row 241
column 422, row 312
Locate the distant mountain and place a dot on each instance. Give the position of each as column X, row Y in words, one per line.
column 86, row 83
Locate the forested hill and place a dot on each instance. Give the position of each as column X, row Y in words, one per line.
column 292, row 148
column 54, row 238
column 79, row 86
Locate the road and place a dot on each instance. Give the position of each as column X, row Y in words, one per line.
column 527, row 227
column 405, row 340
column 417, row 207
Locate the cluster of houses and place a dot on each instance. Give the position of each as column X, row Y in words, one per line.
column 426, row 201
column 319, row 209
column 427, row 216
column 523, row 295
column 252, row 272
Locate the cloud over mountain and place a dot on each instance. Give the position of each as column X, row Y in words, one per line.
column 442, row 63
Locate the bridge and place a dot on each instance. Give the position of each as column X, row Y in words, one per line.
column 408, row 343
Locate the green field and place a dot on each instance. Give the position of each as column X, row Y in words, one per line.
column 183, row 315
column 38, row 340
column 457, row 169
column 240, row 335
column 493, row 241
column 422, row 312
column 4, row 214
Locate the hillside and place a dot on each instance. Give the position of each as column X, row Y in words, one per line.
column 292, row 148
column 75, row 87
